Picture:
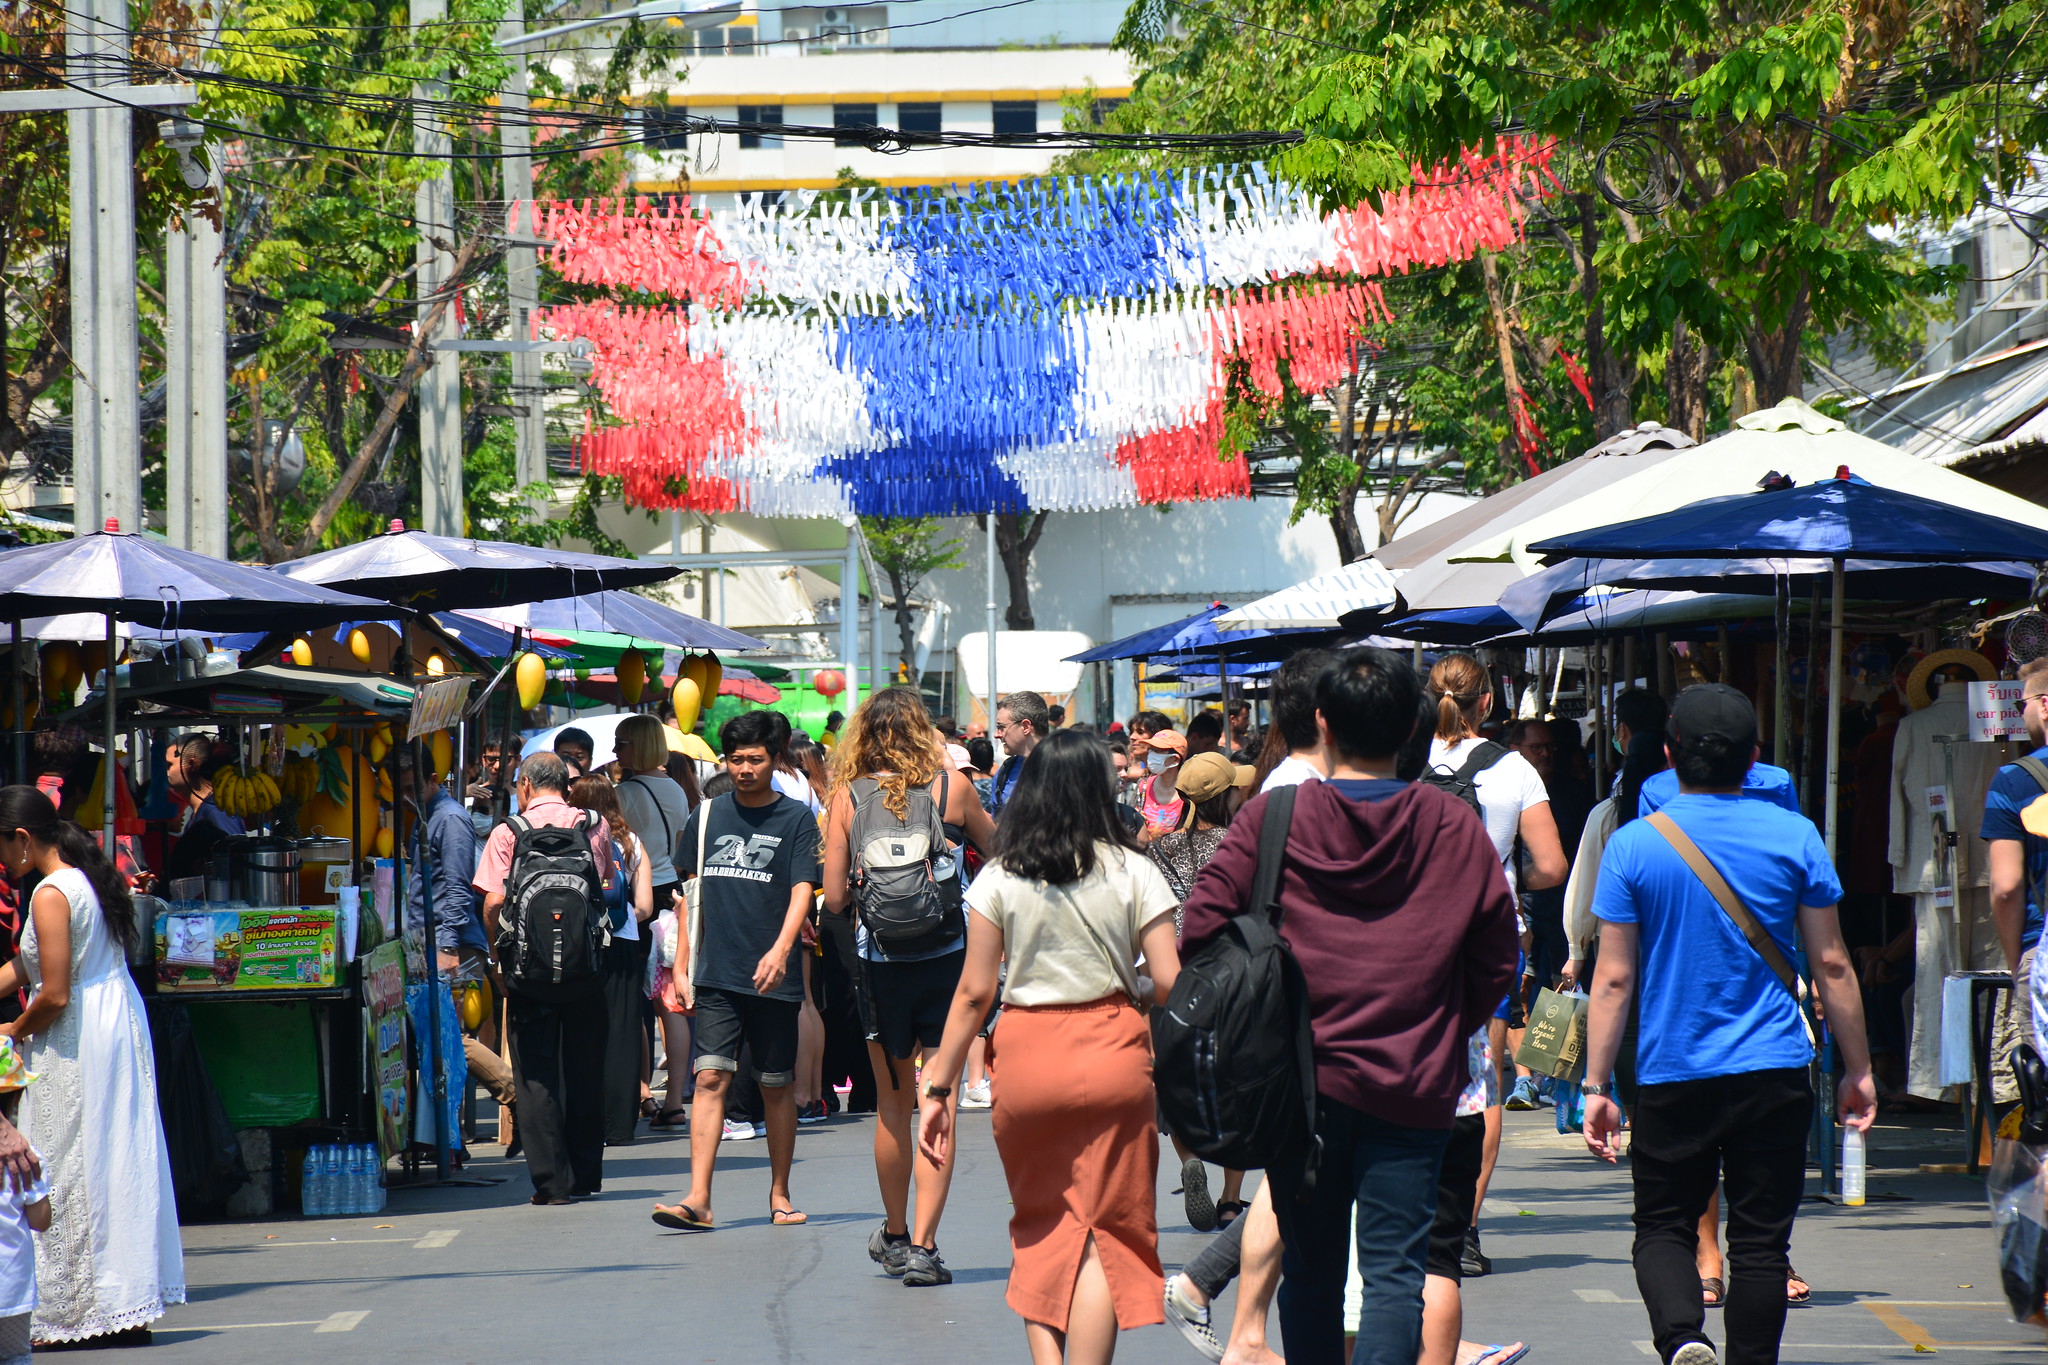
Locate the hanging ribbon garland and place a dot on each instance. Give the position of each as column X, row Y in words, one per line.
column 1064, row 344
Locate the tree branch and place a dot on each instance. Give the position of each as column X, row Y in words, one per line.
column 417, row 358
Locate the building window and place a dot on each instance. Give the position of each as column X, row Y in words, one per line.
column 710, row 42
column 760, row 113
column 852, row 117
column 665, row 129
column 1016, row 118
column 919, row 117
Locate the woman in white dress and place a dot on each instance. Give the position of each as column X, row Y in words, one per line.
column 111, row 1260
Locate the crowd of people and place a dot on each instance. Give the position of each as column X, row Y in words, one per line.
column 900, row 917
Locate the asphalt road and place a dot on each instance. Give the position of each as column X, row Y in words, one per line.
column 476, row 1274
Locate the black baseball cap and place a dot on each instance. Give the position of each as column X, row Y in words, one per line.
column 1713, row 709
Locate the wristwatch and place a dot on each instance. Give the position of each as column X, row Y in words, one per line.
column 1605, row 1091
column 938, row 1092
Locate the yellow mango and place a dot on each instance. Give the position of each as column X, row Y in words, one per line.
column 689, row 700
column 530, row 676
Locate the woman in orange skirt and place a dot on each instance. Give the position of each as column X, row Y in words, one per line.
column 1073, row 906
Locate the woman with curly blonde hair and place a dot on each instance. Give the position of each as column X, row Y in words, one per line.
column 888, row 764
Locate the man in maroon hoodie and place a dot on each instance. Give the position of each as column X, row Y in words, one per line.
column 1397, row 910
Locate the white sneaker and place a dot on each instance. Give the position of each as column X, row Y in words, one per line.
column 976, row 1097
column 739, row 1130
column 1192, row 1319
column 1695, row 1353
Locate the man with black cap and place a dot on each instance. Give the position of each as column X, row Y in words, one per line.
column 1700, row 901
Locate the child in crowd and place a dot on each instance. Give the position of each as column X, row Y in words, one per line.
column 24, row 1210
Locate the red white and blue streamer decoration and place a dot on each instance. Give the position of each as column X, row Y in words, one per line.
column 1063, row 344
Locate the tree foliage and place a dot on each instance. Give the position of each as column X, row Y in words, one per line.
column 907, row 549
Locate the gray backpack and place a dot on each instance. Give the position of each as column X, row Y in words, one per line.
column 906, row 882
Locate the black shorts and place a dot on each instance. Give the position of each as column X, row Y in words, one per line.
column 728, row 1018
column 908, row 1001
column 1457, row 1187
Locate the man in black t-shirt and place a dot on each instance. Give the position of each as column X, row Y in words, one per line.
column 760, row 871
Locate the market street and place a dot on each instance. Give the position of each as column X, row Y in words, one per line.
column 467, row 1274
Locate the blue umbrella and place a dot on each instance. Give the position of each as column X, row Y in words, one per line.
column 1167, row 639
column 1449, row 626
column 1549, row 592
column 1836, row 519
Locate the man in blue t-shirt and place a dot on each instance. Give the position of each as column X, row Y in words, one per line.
column 2019, row 861
column 1722, row 1044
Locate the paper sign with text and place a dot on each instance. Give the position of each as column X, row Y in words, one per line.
column 1994, row 709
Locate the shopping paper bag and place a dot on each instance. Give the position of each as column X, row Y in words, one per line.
column 1554, row 1043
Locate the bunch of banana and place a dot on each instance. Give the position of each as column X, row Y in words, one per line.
column 243, row 794
column 301, row 779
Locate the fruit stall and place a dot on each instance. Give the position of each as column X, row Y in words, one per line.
column 282, row 947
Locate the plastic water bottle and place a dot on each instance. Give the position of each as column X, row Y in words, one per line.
column 337, row 1191
column 346, row 1197
column 309, row 1184
column 373, row 1177
column 366, row 1178
column 1852, row 1167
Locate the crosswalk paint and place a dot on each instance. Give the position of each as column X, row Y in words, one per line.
column 434, row 1241
column 1604, row 1296
column 343, row 1322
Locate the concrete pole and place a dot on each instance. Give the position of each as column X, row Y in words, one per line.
column 105, row 410
column 196, row 422
column 440, row 401
column 522, row 268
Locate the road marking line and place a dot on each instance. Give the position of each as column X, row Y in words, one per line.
column 323, row 1242
column 1648, row 1348
column 1909, row 1331
column 1603, row 1296
column 1940, row 1303
column 238, row 1326
column 434, row 1241
column 343, row 1322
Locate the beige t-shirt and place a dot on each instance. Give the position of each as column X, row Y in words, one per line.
column 1053, row 958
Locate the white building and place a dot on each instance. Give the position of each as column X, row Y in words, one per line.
column 894, row 66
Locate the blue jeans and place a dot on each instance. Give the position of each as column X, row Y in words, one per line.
column 1390, row 1173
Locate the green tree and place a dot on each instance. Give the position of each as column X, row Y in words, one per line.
column 907, row 549
column 1749, row 152
column 1432, row 400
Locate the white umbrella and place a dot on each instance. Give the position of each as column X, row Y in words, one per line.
column 1316, row 604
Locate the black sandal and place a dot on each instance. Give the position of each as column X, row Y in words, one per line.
column 1712, row 1291
column 1228, row 1211
column 668, row 1120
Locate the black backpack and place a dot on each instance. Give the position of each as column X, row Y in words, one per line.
column 1234, row 1058
column 552, row 931
column 1464, row 783
column 903, row 899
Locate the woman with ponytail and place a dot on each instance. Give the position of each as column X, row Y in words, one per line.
column 111, row 1260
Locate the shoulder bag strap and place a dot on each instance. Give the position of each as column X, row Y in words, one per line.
column 1265, row 897
column 2034, row 768
column 1126, row 975
column 668, row 835
column 1717, row 886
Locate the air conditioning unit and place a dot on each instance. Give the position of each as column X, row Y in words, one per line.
column 834, row 16
column 795, row 33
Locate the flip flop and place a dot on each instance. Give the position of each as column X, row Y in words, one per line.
column 1713, row 1292
column 669, row 1119
column 682, row 1219
column 1794, row 1277
column 788, row 1218
column 1492, row 1355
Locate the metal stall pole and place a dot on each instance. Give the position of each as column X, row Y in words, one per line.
column 991, row 584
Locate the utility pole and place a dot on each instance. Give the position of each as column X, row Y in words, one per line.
column 196, row 420
column 106, row 434
column 440, row 400
column 522, row 267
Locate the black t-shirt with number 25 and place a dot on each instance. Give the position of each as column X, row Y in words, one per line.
column 753, row 855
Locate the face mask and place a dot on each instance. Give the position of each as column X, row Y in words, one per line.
column 1155, row 763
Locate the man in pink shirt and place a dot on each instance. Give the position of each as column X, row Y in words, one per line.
column 557, row 1031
